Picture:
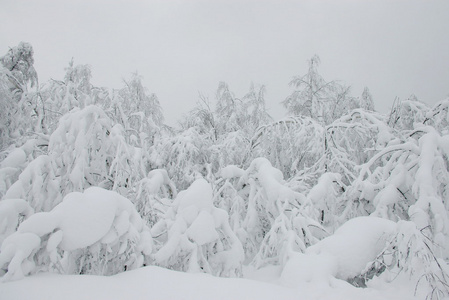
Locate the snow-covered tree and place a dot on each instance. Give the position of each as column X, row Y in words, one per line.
column 366, row 101
column 19, row 62
column 410, row 183
column 438, row 117
column 317, row 98
column 12, row 213
column 290, row 144
column 203, row 118
column 17, row 159
column 74, row 91
column 95, row 232
column 138, row 111
column 324, row 196
column 410, row 252
column 183, row 156
column 270, row 219
column 353, row 139
column 255, row 104
column 230, row 111
column 85, row 150
column 230, row 126
column 232, row 148
column 153, row 195
column 20, row 113
column 229, row 197
column 405, row 113
column 7, row 110
column 89, row 181
column 195, row 236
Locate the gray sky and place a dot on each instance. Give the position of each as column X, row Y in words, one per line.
column 394, row 47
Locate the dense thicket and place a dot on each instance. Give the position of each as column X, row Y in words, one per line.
column 229, row 187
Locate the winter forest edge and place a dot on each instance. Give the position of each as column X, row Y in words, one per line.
column 93, row 182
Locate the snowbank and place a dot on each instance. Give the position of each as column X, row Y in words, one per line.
column 343, row 255
column 354, row 245
column 158, row 283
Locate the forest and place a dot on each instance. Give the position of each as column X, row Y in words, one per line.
column 93, row 182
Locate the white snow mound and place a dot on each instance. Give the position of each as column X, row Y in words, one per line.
column 355, row 244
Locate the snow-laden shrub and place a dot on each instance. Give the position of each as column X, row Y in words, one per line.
column 324, row 197
column 270, row 219
column 355, row 244
column 229, row 197
column 352, row 140
column 409, row 252
column 267, row 198
column 153, row 196
column 37, row 184
column 343, row 255
column 411, row 183
column 95, row 232
column 127, row 166
column 406, row 113
column 15, row 161
column 195, row 236
column 82, row 149
column 292, row 232
column 438, row 117
column 12, row 212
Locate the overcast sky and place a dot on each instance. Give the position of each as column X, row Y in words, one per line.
column 394, row 47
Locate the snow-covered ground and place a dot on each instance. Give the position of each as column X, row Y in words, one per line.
column 158, row 283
